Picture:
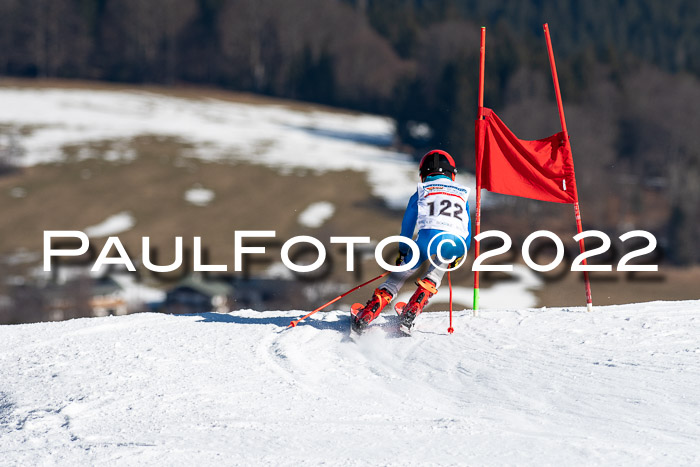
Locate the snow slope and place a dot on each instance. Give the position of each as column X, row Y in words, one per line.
column 618, row 386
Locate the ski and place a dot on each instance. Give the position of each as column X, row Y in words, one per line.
column 403, row 327
column 355, row 331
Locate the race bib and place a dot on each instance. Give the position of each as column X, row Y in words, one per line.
column 442, row 205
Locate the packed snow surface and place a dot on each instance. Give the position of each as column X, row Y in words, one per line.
column 316, row 214
column 618, row 386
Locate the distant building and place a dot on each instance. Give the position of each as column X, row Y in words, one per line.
column 195, row 294
column 267, row 294
column 225, row 293
column 107, row 298
column 85, row 297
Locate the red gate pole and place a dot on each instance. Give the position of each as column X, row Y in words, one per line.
column 479, row 155
column 450, row 329
column 577, row 210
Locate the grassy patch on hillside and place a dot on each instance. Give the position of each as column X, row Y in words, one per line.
column 80, row 193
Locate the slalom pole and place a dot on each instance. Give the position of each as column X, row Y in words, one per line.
column 294, row 323
column 450, row 330
column 577, row 210
column 480, row 148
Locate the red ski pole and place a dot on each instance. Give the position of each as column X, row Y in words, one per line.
column 294, row 323
column 450, row 330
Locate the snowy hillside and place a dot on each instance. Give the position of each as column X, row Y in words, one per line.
column 618, row 386
column 273, row 135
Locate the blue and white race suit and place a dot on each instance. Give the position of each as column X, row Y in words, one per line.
column 439, row 209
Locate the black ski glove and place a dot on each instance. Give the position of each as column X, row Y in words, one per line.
column 400, row 258
column 456, row 262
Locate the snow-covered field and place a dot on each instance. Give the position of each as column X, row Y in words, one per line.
column 276, row 136
column 618, row 386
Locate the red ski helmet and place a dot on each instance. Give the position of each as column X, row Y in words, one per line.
column 437, row 162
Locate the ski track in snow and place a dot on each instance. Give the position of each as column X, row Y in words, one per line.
column 514, row 387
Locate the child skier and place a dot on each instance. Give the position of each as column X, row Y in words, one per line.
column 440, row 211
